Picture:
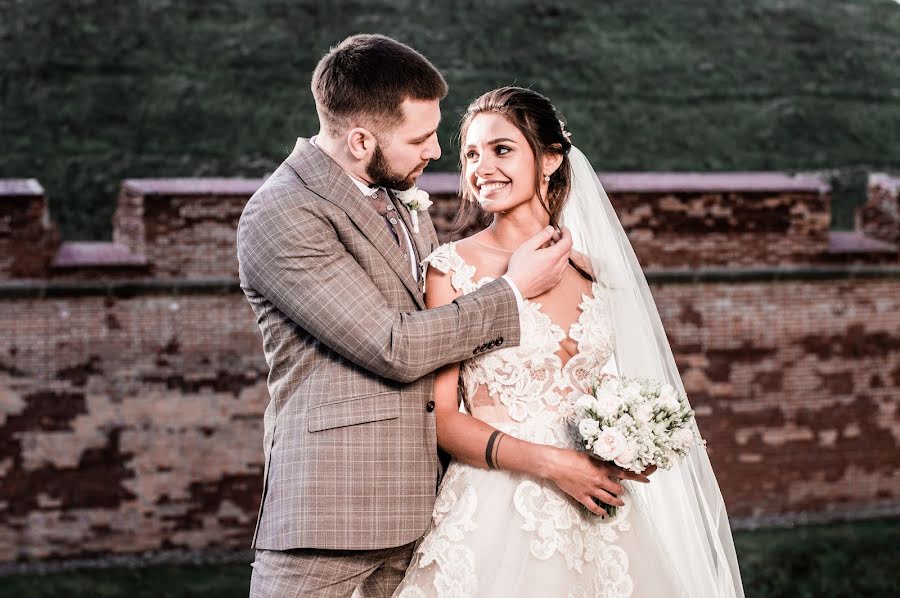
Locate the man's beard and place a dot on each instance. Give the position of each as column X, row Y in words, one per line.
column 381, row 174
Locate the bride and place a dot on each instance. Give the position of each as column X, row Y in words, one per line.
column 515, row 514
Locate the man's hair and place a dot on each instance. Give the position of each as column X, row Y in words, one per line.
column 366, row 78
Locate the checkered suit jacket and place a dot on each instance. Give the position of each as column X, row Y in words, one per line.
column 350, row 450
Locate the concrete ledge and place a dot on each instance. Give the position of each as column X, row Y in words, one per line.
column 709, row 182
column 769, row 274
column 193, row 186
column 447, row 183
column 856, row 242
column 20, row 188
column 39, row 289
column 85, row 254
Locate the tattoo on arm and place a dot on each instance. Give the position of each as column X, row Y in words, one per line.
column 492, row 449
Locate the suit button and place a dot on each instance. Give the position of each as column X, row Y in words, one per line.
column 474, row 351
column 499, row 341
column 429, row 406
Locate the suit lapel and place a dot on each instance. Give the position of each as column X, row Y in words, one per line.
column 329, row 181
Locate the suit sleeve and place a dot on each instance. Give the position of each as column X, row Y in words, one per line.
column 291, row 254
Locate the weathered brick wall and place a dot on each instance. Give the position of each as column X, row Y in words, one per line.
column 155, row 216
column 132, row 386
column 135, row 424
column 674, row 220
column 28, row 240
column 796, row 386
column 734, row 219
column 129, row 424
column 879, row 217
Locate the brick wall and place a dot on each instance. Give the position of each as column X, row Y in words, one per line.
column 28, row 240
column 879, row 216
column 155, row 216
column 132, row 381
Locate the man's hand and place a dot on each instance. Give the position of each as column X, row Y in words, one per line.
column 584, row 478
column 536, row 269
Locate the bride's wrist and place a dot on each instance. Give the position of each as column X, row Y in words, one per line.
column 546, row 460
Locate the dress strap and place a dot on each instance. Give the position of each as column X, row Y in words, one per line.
column 446, row 259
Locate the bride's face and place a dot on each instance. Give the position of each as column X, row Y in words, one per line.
column 499, row 163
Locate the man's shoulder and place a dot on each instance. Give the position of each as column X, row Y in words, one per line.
column 284, row 191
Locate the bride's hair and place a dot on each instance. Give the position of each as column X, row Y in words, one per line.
column 541, row 125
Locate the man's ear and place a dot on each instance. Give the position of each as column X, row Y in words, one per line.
column 361, row 142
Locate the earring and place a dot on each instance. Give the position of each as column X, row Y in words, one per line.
column 547, row 177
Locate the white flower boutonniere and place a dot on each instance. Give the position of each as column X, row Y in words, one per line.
column 414, row 199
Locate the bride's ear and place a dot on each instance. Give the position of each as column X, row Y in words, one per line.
column 551, row 162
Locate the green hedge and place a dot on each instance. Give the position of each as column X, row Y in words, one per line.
column 97, row 91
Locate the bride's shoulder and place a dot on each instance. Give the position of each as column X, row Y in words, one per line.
column 447, row 271
column 444, row 258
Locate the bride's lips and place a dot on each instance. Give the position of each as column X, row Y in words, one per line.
column 488, row 189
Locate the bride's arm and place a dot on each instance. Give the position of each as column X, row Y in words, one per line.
column 467, row 438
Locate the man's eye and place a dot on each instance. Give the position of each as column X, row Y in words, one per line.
column 502, row 149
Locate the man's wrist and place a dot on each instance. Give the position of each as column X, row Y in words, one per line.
column 520, row 300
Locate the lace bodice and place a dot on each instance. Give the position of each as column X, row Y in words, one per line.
column 496, row 533
column 531, row 387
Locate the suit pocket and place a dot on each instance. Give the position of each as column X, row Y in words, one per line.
column 354, row 410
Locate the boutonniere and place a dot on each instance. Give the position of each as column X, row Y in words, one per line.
column 414, row 199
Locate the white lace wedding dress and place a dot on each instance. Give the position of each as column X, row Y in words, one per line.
column 500, row 534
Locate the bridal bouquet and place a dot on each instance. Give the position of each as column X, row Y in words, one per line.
column 636, row 423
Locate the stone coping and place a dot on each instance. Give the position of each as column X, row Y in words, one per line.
column 20, row 188
column 193, row 186
column 444, row 183
column 447, row 183
column 79, row 254
column 879, row 179
column 43, row 288
column 857, row 242
column 701, row 182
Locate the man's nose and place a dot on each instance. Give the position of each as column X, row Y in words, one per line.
column 433, row 151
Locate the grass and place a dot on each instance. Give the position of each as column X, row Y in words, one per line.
column 825, row 561
column 93, row 92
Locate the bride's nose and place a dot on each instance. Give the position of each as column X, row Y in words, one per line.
column 485, row 166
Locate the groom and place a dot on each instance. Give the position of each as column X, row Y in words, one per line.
column 329, row 262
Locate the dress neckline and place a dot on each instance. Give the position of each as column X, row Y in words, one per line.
column 583, row 306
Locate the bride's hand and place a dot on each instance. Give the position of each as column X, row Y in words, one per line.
column 583, row 478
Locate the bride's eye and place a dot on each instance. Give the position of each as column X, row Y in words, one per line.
column 471, row 155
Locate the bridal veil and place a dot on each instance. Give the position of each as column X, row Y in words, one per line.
column 682, row 508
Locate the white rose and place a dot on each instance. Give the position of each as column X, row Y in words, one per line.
column 683, row 438
column 627, row 455
column 414, row 198
column 609, row 444
column 588, row 427
column 586, row 402
column 607, row 403
column 644, row 413
column 613, row 385
column 668, row 397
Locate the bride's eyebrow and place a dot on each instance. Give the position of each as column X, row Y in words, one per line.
column 494, row 142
